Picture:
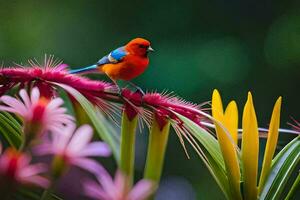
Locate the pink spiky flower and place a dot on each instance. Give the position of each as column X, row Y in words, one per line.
column 102, row 94
column 15, row 168
column 38, row 113
column 163, row 107
column 109, row 189
column 71, row 147
column 46, row 75
column 52, row 72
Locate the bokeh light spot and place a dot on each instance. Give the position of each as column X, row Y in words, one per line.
column 282, row 47
column 175, row 188
column 225, row 60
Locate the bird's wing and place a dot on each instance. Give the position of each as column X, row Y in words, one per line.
column 113, row 57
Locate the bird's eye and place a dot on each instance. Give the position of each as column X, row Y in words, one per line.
column 142, row 46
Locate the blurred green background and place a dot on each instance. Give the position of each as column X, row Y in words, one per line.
column 232, row 45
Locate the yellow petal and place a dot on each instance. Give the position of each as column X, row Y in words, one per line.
column 250, row 148
column 231, row 116
column 227, row 146
column 271, row 142
column 217, row 106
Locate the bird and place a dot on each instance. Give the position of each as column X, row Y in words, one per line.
column 124, row 63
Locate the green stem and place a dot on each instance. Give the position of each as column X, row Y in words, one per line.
column 31, row 132
column 22, row 146
column 57, row 169
column 81, row 116
column 158, row 139
column 45, row 194
column 128, row 132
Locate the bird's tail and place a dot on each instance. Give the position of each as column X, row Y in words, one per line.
column 84, row 70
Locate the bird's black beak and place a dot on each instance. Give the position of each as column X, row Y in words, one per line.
column 150, row 49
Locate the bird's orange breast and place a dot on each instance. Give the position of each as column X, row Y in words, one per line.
column 131, row 67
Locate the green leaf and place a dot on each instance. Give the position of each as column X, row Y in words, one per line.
column 15, row 122
column 10, row 129
column 212, row 155
column 32, row 194
column 294, row 188
column 209, row 142
column 100, row 123
column 55, row 197
column 282, row 167
column 218, row 174
column 26, row 194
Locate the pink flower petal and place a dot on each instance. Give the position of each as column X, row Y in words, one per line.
column 80, row 139
column 43, row 149
column 35, row 95
column 60, row 118
column 14, row 103
column 107, row 184
column 31, row 170
column 93, row 190
column 4, row 161
column 120, row 182
column 89, row 165
column 9, row 109
column 37, row 180
column 102, row 175
column 25, row 98
column 96, row 149
column 54, row 104
column 24, row 173
column 24, row 160
column 59, row 110
column 142, row 190
column 54, row 116
column 62, row 137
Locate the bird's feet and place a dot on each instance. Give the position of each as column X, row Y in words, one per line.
column 138, row 89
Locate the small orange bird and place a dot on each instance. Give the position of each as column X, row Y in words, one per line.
column 123, row 63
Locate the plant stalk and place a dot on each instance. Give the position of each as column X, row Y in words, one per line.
column 127, row 154
column 157, row 144
column 81, row 116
